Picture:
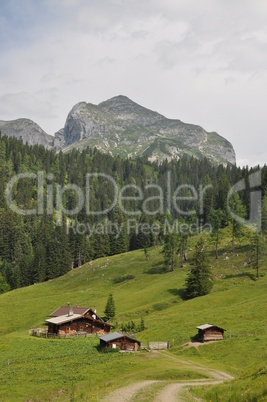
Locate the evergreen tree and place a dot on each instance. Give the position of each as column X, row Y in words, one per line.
column 256, row 251
column 208, row 198
column 118, row 238
column 199, row 280
column 169, row 251
column 221, row 197
column 110, row 308
column 181, row 247
column 264, row 216
column 146, row 253
column 239, row 210
column 4, row 287
column 216, row 218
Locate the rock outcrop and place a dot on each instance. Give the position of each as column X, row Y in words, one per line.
column 121, row 126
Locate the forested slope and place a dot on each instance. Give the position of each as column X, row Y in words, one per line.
column 35, row 247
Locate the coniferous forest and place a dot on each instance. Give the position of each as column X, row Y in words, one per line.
column 36, row 248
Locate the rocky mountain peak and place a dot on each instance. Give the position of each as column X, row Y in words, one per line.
column 125, row 109
column 119, row 126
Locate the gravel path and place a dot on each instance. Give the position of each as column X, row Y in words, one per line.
column 170, row 393
column 125, row 394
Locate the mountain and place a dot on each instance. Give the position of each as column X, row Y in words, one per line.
column 120, row 126
column 27, row 131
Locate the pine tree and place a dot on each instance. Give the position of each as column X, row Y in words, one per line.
column 221, row 197
column 264, row 216
column 146, row 253
column 256, row 251
column 238, row 209
column 169, row 251
column 4, row 287
column 199, row 280
column 110, row 308
column 216, row 218
column 181, row 247
column 208, row 198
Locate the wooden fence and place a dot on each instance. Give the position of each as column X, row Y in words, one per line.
column 43, row 332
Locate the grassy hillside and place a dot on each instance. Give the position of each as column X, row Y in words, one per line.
column 72, row 369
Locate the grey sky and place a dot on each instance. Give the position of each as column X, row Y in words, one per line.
column 204, row 62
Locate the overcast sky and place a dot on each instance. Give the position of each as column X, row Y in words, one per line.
column 201, row 61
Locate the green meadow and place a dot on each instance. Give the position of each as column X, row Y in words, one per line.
column 40, row 369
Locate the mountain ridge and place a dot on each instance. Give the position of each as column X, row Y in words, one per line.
column 27, row 131
column 120, row 126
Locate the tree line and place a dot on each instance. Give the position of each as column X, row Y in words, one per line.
column 35, row 248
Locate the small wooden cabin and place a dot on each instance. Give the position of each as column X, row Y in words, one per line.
column 73, row 320
column 121, row 341
column 209, row 332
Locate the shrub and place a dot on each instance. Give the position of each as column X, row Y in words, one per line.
column 123, row 278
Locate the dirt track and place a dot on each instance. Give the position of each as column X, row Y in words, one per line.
column 171, row 391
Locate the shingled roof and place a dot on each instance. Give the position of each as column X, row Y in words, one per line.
column 113, row 336
column 64, row 310
column 207, row 326
column 63, row 318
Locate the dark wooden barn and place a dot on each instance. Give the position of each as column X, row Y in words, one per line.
column 209, row 332
column 121, row 341
column 74, row 320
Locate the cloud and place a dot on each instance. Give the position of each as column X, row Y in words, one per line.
column 23, row 104
column 202, row 62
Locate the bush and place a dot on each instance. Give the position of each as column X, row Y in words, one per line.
column 123, row 278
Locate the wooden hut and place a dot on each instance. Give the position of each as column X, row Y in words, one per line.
column 209, row 332
column 74, row 320
column 121, row 341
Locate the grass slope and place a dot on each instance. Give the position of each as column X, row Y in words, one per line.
column 72, row 369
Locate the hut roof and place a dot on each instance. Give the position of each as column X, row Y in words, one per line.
column 64, row 310
column 113, row 336
column 207, row 326
column 63, row 318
